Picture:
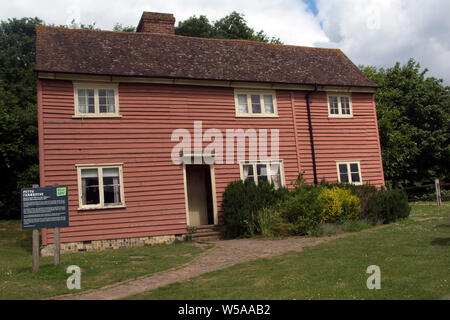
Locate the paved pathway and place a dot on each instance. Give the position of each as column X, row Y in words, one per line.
column 225, row 253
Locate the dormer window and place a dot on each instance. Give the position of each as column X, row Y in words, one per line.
column 96, row 100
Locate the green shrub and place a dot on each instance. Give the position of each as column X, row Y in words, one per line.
column 241, row 203
column 268, row 221
column 302, row 210
column 338, row 205
column 363, row 192
column 388, row 206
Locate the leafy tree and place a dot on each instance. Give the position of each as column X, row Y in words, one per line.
column 18, row 116
column 414, row 122
column 75, row 25
column 195, row 27
column 232, row 26
column 120, row 27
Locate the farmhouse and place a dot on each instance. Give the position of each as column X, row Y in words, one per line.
column 116, row 108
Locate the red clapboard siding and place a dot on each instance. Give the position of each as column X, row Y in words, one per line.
column 336, row 139
column 141, row 140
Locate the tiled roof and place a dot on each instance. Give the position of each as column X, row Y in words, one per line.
column 170, row 56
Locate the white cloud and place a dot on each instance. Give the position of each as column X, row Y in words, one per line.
column 288, row 20
column 383, row 32
column 372, row 32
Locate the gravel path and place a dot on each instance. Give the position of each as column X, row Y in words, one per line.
column 224, row 253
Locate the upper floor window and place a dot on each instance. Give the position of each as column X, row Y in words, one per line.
column 349, row 172
column 263, row 171
column 100, row 186
column 251, row 103
column 340, row 106
column 96, row 100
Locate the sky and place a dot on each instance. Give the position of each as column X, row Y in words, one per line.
column 369, row 32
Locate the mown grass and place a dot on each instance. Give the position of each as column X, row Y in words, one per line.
column 98, row 268
column 425, row 209
column 414, row 258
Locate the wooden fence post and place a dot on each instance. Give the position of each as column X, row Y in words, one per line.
column 438, row 192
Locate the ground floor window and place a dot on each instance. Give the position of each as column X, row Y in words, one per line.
column 263, row 171
column 100, row 186
column 349, row 172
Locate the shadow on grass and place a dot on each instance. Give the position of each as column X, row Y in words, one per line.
column 441, row 242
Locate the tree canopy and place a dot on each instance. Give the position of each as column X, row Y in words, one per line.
column 18, row 117
column 232, row 26
column 120, row 27
column 414, row 123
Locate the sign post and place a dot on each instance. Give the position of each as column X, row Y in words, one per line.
column 57, row 246
column 45, row 207
column 35, row 245
column 35, row 250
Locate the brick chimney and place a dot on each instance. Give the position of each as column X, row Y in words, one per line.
column 155, row 22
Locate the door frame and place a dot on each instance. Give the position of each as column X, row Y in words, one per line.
column 213, row 192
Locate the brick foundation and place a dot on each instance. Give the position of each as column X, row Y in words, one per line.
column 98, row 245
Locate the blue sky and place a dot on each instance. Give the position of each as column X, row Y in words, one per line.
column 312, row 6
column 369, row 32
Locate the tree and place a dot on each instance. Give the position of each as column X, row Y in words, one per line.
column 19, row 166
column 414, row 122
column 18, row 116
column 232, row 26
column 120, row 27
column 195, row 27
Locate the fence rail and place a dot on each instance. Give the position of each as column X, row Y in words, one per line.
column 437, row 192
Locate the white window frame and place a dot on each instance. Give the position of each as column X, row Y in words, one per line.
column 348, row 162
column 100, row 168
column 96, row 86
column 339, row 114
column 267, row 163
column 261, row 94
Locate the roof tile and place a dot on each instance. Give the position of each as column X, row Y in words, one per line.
column 156, row 55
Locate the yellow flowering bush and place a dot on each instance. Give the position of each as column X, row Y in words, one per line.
column 338, row 204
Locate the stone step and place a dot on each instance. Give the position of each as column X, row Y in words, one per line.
column 207, row 228
column 205, row 234
column 208, row 232
column 206, row 239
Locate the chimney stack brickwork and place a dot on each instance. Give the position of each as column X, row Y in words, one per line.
column 154, row 22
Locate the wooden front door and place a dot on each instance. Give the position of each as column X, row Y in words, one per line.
column 196, row 180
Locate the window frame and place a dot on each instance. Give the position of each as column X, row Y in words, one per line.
column 96, row 87
column 339, row 96
column 267, row 162
column 348, row 163
column 101, row 204
column 261, row 94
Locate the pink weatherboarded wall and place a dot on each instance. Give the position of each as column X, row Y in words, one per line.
column 141, row 140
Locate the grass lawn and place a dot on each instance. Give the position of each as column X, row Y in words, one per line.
column 98, row 268
column 413, row 255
